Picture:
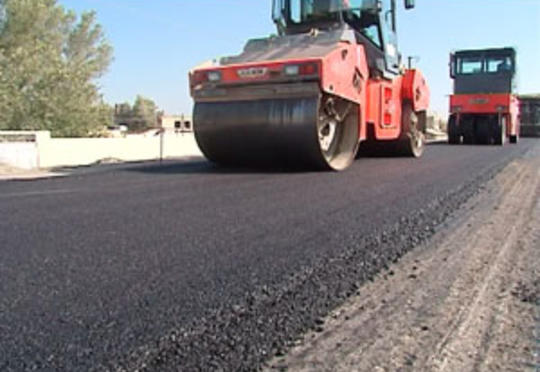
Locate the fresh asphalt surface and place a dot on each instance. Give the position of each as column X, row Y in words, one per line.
column 185, row 266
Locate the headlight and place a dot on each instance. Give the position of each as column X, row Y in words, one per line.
column 292, row 70
column 303, row 69
column 214, row 76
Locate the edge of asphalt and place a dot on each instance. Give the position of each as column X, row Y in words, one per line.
column 23, row 175
column 60, row 172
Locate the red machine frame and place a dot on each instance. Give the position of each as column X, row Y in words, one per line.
column 504, row 105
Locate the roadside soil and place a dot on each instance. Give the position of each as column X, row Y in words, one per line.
column 8, row 169
column 8, row 172
column 467, row 300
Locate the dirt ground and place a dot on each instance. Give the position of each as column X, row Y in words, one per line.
column 8, row 172
column 466, row 301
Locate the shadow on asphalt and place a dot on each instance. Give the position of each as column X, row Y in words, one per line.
column 202, row 166
column 206, row 167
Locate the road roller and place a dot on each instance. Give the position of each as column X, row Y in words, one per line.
column 484, row 107
column 328, row 83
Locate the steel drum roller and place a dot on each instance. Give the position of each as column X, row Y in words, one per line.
column 284, row 132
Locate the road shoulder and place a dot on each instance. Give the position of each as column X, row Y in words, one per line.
column 464, row 301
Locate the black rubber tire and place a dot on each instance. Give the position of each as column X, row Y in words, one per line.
column 483, row 132
column 469, row 137
column 453, row 133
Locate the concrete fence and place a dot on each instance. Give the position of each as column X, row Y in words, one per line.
column 38, row 150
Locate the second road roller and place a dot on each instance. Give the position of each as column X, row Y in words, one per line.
column 330, row 82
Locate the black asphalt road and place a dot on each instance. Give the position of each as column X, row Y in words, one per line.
column 184, row 266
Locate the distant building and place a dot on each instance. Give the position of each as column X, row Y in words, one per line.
column 179, row 123
column 530, row 115
column 436, row 121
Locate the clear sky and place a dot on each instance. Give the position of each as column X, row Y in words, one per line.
column 157, row 42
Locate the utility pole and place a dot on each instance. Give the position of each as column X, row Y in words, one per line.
column 160, row 133
column 161, row 138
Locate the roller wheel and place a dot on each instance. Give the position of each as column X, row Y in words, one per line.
column 453, row 133
column 469, row 137
column 514, row 139
column 413, row 139
column 319, row 132
column 337, row 132
column 483, row 134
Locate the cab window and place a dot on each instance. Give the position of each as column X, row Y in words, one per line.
column 470, row 65
column 499, row 64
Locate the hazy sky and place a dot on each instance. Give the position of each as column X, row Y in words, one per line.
column 157, row 42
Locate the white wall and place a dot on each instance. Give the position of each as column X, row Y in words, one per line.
column 22, row 155
column 55, row 152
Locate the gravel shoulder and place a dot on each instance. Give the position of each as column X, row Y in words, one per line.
column 464, row 301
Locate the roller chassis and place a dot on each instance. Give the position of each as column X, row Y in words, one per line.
column 485, row 119
column 253, row 111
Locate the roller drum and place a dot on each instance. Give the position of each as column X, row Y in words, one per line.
column 269, row 132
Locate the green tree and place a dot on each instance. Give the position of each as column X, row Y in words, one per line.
column 145, row 111
column 142, row 115
column 49, row 62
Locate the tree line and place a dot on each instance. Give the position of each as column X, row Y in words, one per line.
column 50, row 62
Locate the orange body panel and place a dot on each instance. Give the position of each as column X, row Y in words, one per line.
column 384, row 108
column 345, row 73
column 482, row 103
column 268, row 71
column 416, row 90
column 385, row 99
column 339, row 69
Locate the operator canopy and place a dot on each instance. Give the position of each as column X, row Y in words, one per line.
column 302, row 10
column 310, row 9
column 297, row 15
